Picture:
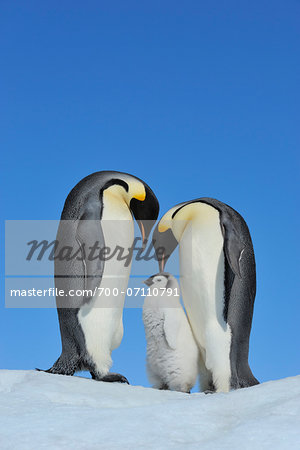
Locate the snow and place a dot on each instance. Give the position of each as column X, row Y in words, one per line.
column 42, row 411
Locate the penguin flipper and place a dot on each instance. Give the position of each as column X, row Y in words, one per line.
column 172, row 322
column 82, row 272
column 89, row 233
column 233, row 245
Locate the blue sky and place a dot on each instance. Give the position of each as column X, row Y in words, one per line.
column 197, row 98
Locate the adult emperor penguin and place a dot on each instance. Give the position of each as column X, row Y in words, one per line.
column 218, row 284
column 98, row 212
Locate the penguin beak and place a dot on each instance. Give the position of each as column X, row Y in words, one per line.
column 148, row 282
column 143, row 233
column 162, row 263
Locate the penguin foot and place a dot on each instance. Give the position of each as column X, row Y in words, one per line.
column 63, row 366
column 114, row 378
column 164, row 387
column 243, row 382
column 246, row 384
column 208, row 391
column 42, row 370
column 56, row 371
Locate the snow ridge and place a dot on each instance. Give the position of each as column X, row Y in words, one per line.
column 40, row 410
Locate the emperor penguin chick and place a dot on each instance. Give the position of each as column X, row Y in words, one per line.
column 172, row 353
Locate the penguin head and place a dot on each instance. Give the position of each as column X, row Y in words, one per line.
column 145, row 212
column 163, row 240
column 161, row 280
column 139, row 198
column 164, row 243
column 169, row 230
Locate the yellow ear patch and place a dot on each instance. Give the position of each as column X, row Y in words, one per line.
column 136, row 190
column 163, row 227
column 140, row 196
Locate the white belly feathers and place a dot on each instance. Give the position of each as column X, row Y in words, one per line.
column 202, row 271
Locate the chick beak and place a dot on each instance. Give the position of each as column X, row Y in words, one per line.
column 148, row 282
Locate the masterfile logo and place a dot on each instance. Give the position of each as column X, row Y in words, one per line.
column 37, row 256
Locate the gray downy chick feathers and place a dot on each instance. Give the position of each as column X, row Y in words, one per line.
column 172, row 353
